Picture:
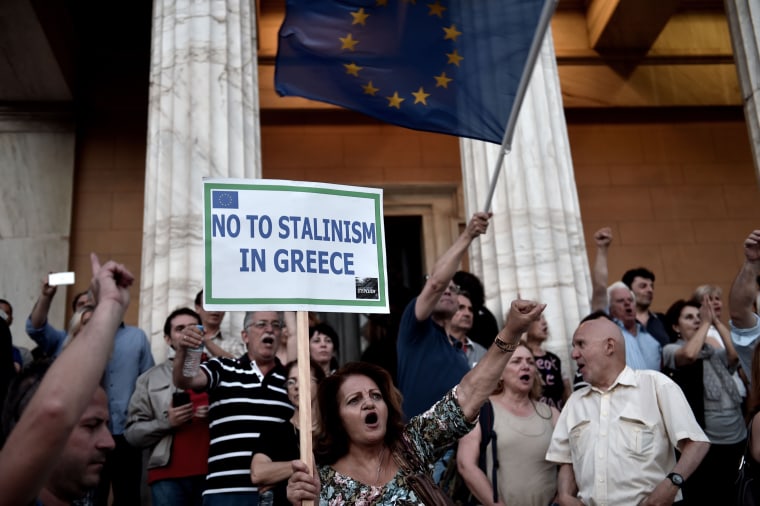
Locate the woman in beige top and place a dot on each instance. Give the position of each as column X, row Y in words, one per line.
column 523, row 429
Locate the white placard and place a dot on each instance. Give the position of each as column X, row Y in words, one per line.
column 292, row 245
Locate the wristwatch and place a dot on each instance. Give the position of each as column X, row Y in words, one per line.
column 677, row 479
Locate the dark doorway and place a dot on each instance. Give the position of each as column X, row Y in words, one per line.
column 403, row 252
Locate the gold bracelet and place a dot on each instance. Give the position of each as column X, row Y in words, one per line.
column 504, row 346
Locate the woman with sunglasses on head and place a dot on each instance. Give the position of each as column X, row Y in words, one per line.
column 271, row 465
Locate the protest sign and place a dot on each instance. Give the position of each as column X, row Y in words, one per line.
column 291, row 245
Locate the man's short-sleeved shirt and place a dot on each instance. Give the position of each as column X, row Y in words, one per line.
column 428, row 365
column 629, row 431
column 243, row 403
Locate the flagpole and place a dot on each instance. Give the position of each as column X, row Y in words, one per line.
column 530, row 63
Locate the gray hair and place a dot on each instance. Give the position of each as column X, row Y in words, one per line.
column 619, row 285
column 709, row 290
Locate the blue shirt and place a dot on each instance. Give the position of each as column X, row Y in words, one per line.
column 642, row 351
column 428, row 365
column 130, row 358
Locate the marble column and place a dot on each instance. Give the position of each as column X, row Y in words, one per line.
column 744, row 24
column 203, row 122
column 37, row 174
column 535, row 245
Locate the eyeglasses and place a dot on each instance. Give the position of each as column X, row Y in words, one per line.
column 291, row 382
column 455, row 289
column 261, row 325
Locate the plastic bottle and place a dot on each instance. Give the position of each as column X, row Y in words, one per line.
column 266, row 498
column 193, row 358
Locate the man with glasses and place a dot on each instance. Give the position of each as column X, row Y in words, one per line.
column 428, row 364
column 247, row 396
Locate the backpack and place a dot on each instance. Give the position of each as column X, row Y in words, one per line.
column 452, row 482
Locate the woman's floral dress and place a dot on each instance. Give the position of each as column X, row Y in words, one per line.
column 438, row 427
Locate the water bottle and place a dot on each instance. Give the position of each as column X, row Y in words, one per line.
column 266, row 498
column 193, row 358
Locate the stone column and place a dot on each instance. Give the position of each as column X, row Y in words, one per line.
column 37, row 174
column 535, row 245
column 744, row 23
column 203, row 122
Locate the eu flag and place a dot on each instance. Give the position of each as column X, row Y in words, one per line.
column 449, row 66
column 224, row 199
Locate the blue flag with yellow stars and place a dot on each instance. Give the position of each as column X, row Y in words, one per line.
column 449, row 66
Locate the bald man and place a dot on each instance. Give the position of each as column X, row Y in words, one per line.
column 615, row 439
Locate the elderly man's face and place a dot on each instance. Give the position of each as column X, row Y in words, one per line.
column 622, row 306
column 590, row 350
column 262, row 336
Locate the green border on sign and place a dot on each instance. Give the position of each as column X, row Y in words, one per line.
column 208, row 294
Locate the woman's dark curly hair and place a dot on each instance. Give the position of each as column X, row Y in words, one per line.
column 332, row 442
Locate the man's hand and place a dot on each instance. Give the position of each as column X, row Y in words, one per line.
column 663, row 494
column 752, row 247
column 180, row 414
column 191, row 337
column 48, row 290
column 478, row 224
column 603, row 238
column 521, row 314
column 110, row 281
column 301, row 485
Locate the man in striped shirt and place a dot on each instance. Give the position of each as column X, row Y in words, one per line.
column 246, row 396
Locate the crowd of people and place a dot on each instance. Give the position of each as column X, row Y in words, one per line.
column 445, row 406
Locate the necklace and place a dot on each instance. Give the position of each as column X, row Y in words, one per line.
column 380, row 464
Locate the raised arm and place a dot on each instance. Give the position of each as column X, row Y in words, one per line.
column 40, row 436
column 478, row 384
column 599, row 274
column 689, row 352
column 447, row 265
column 191, row 338
column 744, row 289
column 289, row 318
column 41, row 308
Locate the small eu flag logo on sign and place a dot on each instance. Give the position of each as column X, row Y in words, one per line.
column 224, row 200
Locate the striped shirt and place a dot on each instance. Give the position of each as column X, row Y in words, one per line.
column 243, row 403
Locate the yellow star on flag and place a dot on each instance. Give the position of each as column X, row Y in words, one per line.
column 442, row 81
column 360, row 17
column 395, row 100
column 454, row 58
column 436, row 9
column 452, row 33
column 352, row 68
column 369, row 89
column 420, row 96
column 348, row 42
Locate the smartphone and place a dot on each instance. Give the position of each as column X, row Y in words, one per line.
column 60, row 278
column 180, row 399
